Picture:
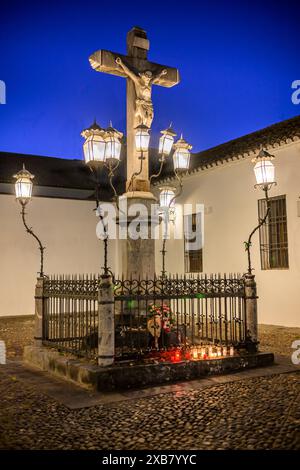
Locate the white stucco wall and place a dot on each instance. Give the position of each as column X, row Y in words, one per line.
column 68, row 230
column 231, row 213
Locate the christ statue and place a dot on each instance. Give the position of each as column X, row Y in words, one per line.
column 143, row 82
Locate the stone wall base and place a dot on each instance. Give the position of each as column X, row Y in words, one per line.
column 124, row 377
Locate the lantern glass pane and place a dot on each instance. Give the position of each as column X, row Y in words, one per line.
column 113, row 148
column 181, row 159
column 264, row 172
column 23, row 188
column 94, row 149
column 165, row 144
column 86, row 151
column 142, row 139
column 166, row 198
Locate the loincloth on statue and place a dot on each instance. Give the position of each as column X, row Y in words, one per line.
column 146, row 105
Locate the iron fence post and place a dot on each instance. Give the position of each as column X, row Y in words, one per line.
column 251, row 312
column 106, row 322
column 39, row 311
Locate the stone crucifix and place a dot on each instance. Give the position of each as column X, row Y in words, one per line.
column 141, row 75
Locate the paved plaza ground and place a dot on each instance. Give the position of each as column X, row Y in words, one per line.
column 242, row 413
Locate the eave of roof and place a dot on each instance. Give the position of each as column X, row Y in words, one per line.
column 270, row 137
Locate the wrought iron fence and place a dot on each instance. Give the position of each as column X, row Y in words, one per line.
column 70, row 319
column 150, row 314
column 178, row 311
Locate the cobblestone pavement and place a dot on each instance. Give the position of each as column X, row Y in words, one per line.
column 261, row 413
column 256, row 413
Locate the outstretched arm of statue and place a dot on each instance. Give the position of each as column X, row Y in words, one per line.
column 128, row 72
column 158, row 77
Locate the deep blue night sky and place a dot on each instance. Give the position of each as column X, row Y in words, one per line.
column 237, row 61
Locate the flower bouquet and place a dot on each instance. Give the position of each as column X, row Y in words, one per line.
column 163, row 315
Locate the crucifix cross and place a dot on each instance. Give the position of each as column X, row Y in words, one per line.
column 141, row 75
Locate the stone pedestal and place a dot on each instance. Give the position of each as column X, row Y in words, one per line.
column 106, row 322
column 251, row 307
column 39, row 310
column 138, row 249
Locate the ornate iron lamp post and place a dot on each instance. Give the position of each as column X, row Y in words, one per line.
column 264, row 171
column 102, row 149
column 23, row 191
column 181, row 163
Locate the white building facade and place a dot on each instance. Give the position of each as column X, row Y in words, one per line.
column 221, row 183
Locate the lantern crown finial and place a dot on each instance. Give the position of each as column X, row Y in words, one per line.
column 92, row 129
column 263, row 155
column 95, row 126
column 111, row 130
column 182, row 143
column 142, row 126
column 169, row 131
column 23, row 174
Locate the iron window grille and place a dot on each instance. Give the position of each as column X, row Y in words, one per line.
column 273, row 234
column 193, row 259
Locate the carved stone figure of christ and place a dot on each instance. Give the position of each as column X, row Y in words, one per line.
column 143, row 87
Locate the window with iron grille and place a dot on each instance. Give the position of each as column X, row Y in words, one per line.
column 193, row 258
column 273, row 235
